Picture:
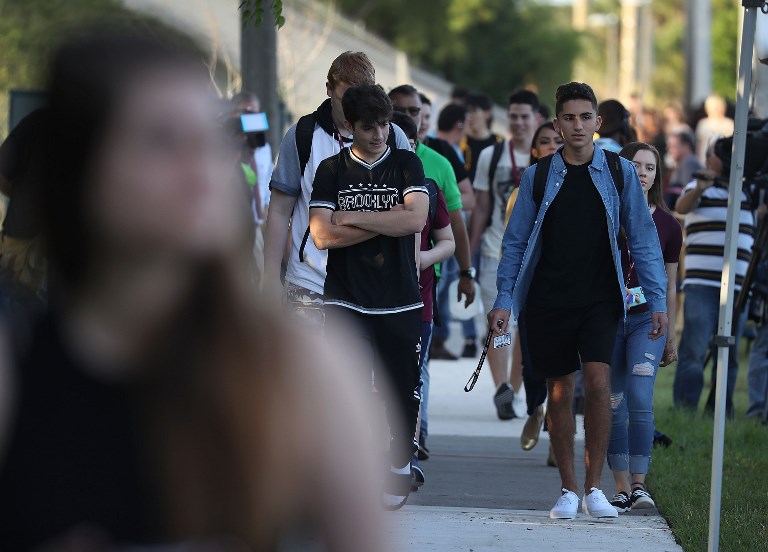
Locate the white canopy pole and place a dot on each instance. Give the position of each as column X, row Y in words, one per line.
column 724, row 337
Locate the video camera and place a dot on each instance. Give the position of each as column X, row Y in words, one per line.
column 252, row 125
column 755, row 156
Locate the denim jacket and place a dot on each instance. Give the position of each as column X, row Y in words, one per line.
column 521, row 246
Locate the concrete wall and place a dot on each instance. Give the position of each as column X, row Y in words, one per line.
column 314, row 34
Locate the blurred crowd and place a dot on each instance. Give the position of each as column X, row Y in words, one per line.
column 195, row 336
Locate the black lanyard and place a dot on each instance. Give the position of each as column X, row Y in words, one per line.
column 476, row 374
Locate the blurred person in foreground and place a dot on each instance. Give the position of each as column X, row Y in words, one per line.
column 145, row 411
column 23, row 289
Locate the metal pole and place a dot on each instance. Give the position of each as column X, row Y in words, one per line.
column 724, row 337
column 698, row 53
column 628, row 49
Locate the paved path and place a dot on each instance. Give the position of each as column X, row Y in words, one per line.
column 483, row 492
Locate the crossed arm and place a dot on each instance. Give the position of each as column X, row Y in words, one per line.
column 332, row 230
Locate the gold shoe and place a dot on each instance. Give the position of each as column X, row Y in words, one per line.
column 551, row 460
column 532, row 429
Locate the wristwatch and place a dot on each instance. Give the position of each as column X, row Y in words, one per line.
column 468, row 273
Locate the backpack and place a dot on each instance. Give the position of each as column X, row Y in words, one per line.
column 432, row 189
column 542, row 171
column 305, row 129
column 498, row 150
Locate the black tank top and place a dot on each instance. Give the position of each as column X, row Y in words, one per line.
column 72, row 456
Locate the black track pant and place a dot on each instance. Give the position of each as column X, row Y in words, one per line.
column 394, row 341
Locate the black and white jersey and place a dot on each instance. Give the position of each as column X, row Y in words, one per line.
column 377, row 276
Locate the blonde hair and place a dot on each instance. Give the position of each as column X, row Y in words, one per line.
column 353, row 68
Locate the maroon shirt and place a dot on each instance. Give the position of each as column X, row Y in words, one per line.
column 670, row 240
column 427, row 277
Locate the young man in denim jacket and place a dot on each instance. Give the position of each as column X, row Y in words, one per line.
column 560, row 275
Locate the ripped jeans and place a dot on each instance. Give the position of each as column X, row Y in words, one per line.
column 633, row 372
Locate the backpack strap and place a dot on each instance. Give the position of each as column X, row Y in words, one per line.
column 433, row 191
column 540, row 179
column 305, row 129
column 617, row 172
column 392, row 138
column 498, row 149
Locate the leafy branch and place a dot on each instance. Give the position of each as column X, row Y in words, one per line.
column 253, row 12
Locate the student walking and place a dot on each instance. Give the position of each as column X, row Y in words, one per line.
column 369, row 204
column 312, row 139
column 560, row 274
column 636, row 356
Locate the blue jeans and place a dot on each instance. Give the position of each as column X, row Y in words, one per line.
column 701, row 311
column 426, row 339
column 634, row 365
column 757, row 374
column 448, row 273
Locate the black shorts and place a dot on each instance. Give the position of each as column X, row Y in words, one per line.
column 559, row 340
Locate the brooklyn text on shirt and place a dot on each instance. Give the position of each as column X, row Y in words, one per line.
column 371, row 197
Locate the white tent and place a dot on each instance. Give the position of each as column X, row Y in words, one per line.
column 724, row 339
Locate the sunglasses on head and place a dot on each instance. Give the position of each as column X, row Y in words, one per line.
column 413, row 110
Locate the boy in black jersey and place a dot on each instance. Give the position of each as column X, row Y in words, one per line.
column 369, row 204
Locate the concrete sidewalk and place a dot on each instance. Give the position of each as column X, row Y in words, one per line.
column 483, row 492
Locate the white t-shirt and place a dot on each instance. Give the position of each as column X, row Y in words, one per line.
column 500, row 189
column 262, row 157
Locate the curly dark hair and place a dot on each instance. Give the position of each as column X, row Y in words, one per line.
column 574, row 91
column 367, row 103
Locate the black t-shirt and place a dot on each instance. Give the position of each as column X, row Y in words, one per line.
column 472, row 152
column 73, row 455
column 446, row 150
column 576, row 268
column 377, row 276
column 22, row 161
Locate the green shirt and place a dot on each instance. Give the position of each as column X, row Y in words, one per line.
column 439, row 169
column 250, row 174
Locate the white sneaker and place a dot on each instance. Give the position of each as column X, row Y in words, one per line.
column 566, row 507
column 596, row 505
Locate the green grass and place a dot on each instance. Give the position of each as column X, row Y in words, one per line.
column 679, row 478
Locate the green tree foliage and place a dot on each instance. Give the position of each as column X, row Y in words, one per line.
column 29, row 29
column 725, row 37
column 489, row 45
column 668, row 82
column 253, row 12
column 670, row 26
